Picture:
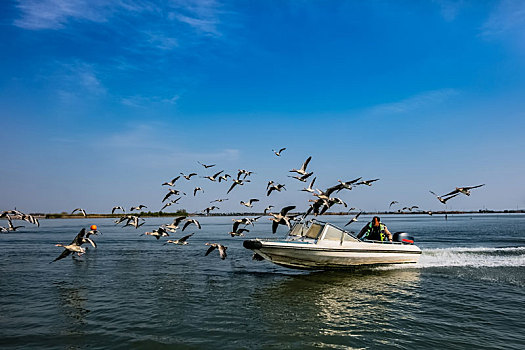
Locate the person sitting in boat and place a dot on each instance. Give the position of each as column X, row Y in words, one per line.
column 375, row 231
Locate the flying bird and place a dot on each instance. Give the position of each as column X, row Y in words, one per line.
column 74, row 246
column 310, row 187
column 392, row 203
column 80, row 210
column 219, row 247
column 172, row 192
column 206, row 165
column 180, row 241
column 224, row 177
column 237, row 182
column 443, row 200
column 348, row 184
column 187, row 177
column 244, row 221
column 245, row 173
column 139, row 207
column 249, row 204
column 117, row 207
column 189, row 222
column 367, row 182
column 10, row 227
column 172, row 182
column 196, row 189
column 268, row 208
column 281, row 218
column 219, row 200
column 175, row 224
column 302, row 171
column 238, row 232
column 207, row 210
column 214, row 176
column 170, row 203
column 277, row 188
column 278, row 153
column 302, row 178
column 354, row 219
column 160, row 232
column 465, row 190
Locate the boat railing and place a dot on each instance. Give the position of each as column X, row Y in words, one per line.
column 301, row 230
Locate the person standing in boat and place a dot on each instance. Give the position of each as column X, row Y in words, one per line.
column 375, row 231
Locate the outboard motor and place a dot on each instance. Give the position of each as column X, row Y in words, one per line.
column 403, row 237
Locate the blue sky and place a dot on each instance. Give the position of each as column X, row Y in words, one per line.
column 103, row 101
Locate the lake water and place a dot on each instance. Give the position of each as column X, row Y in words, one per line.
column 467, row 292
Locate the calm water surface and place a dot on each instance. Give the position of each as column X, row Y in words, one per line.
column 468, row 291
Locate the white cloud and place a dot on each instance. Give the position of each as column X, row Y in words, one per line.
column 507, row 17
column 143, row 102
column 450, row 8
column 202, row 15
column 54, row 14
column 427, row 98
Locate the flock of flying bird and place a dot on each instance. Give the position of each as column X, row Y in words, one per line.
column 320, row 202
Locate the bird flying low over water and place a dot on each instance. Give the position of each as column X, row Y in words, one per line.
column 180, row 241
column 10, row 227
column 219, row 247
column 79, row 210
column 172, row 182
column 75, row 245
column 392, row 203
column 187, row 177
column 175, row 224
column 278, row 153
column 160, row 232
column 244, row 221
column 206, row 165
column 354, row 219
column 238, row 231
column 465, row 190
column 189, row 222
column 268, row 208
column 302, row 171
column 249, row 204
column 281, row 218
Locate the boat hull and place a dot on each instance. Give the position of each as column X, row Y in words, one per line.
column 312, row 256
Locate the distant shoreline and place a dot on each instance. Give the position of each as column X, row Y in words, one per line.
column 183, row 213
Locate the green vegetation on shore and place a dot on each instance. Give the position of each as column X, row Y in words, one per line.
column 183, row 212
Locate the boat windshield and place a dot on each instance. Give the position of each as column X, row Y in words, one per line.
column 303, row 230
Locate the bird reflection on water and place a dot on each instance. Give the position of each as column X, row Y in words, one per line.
column 342, row 308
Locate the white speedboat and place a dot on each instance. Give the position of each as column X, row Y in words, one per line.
column 320, row 245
